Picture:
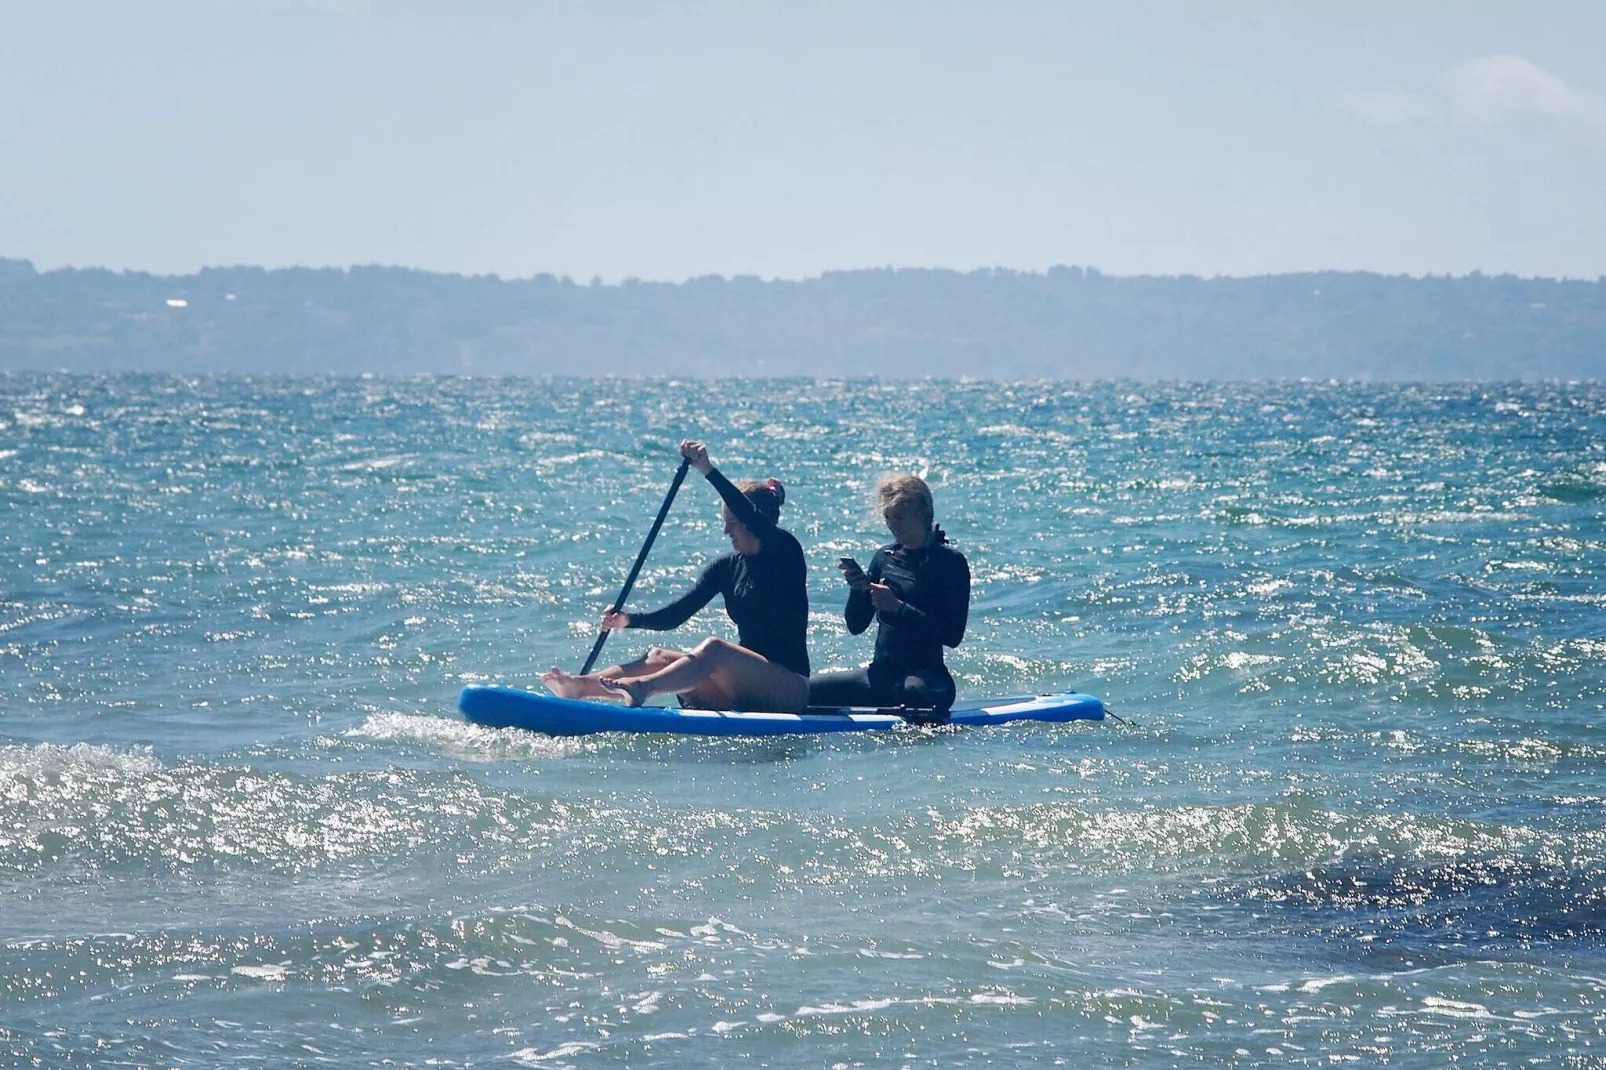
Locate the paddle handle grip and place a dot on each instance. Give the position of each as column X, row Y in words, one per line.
column 641, row 559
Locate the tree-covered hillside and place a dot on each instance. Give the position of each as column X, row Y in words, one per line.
column 1069, row 323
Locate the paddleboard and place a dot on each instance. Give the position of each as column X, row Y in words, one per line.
column 510, row 707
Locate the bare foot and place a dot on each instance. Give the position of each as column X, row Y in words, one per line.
column 629, row 690
column 561, row 683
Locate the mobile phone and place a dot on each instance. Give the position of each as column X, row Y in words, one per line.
column 848, row 562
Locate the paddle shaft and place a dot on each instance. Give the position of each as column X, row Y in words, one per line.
column 641, row 558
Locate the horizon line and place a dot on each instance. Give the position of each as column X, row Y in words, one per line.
column 1083, row 270
column 964, row 380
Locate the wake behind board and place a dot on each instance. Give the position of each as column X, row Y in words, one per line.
column 509, row 707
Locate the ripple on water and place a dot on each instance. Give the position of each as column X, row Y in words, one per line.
column 1358, row 626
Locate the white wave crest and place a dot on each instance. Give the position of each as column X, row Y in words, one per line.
column 460, row 739
column 25, row 762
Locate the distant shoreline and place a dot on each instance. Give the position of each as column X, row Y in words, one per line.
column 1066, row 324
column 25, row 266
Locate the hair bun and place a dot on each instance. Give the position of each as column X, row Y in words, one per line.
column 775, row 485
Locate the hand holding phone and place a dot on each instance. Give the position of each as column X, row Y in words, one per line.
column 853, row 574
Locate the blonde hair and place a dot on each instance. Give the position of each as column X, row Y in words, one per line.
column 903, row 488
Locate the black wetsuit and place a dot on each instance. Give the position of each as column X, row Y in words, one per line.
column 934, row 585
column 766, row 593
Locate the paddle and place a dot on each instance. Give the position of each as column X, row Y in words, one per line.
column 635, row 570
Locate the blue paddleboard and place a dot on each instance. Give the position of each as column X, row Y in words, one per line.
column 509, row 707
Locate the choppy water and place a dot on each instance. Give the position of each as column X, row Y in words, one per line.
column 1359, row 629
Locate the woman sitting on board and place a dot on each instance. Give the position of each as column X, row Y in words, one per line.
column 918, row 591
column 764, row 582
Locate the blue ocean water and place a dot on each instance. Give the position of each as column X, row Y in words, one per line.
column 1358, row 631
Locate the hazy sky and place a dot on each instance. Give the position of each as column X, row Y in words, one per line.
column 665, row 140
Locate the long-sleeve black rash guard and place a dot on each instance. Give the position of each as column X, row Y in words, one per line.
column 766, row 594
column 934, row 585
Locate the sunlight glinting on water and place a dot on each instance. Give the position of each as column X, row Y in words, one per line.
column 1356, row 628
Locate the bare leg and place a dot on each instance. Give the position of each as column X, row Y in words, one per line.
column 568, row 685
column 752, row 681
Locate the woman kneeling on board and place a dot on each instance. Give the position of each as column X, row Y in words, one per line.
column 918, row 591
column 764, row 582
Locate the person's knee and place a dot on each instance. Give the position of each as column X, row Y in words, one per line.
column 713, row 650
column 660, row 656
column 918, row 691
column 914, row 691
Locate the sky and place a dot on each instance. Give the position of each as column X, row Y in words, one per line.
column 664, row 140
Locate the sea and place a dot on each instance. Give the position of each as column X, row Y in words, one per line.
column 1351, row 814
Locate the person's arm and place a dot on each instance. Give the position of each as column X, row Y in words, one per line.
column 951, row 612
column 859, row 612
column 678, row 612
column 745, row 512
